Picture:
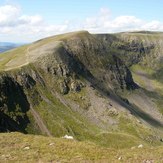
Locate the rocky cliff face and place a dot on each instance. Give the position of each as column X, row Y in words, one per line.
column 84, row 55
column 105, row 67
column 14, row 98
column 138, row 47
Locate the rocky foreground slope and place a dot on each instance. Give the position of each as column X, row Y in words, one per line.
column 82, row 85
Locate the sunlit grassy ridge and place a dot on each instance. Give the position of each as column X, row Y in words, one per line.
column 22, row 56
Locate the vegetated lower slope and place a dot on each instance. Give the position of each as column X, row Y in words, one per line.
column 81, row 85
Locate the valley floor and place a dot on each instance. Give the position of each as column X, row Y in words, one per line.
column 16, row 147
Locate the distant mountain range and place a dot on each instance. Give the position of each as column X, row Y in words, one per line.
column 4, row 46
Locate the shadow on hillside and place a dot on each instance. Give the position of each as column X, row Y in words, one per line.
column 136, row 111
column 158, row 97
column 7, row 124
column 13, row 106
column 145, row 116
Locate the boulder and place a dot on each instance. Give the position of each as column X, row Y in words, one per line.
column 64, row 88
column 68, row 137
column 76, row 86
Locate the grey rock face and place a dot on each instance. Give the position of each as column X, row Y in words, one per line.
column 64, row 88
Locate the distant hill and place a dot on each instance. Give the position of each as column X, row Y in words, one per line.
column 4, row 46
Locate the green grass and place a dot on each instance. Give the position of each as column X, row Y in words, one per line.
column 80, row 98
column 117, row 140
column 136, row 69
column 16, row 147
column 32, row 127
column 61, row 120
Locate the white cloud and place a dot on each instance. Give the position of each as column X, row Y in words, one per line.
column 103, row 22
column 126, row 21
column 8, row 15
column 16, row 26
column 153, row 25
column 32, row 20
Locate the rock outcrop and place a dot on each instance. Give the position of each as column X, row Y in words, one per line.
column 13, row 105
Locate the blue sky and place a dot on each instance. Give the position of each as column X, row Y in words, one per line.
column 29, row 20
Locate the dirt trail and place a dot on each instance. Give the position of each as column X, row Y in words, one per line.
column 24, row 64
column 27, row 55
column 40, row 122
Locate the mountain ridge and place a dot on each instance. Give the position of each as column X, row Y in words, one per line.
column 85, row 85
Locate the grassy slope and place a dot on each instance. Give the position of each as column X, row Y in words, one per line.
column 28, row 148
column 62, row 120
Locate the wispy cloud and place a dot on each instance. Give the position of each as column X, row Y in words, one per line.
column 14, row 24
column 103, row 22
